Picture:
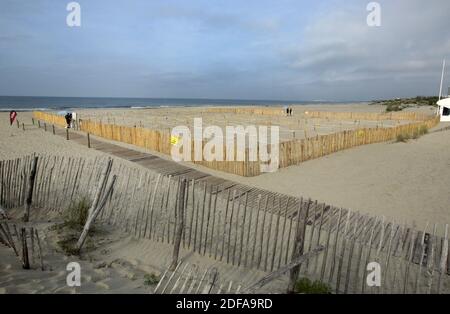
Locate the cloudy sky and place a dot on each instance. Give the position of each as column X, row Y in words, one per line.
column 229, row 49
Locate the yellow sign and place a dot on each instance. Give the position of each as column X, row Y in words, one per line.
column 174, row 140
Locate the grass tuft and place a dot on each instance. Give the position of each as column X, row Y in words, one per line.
column 151, row 279
column 404, row 137
column 306, row 286
column 77, row 213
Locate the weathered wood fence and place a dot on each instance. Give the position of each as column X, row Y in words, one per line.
column 290, row 153
column 238, row 228
column 400, row 115
column 280, row 111
column 297, row 151
column 26, row 244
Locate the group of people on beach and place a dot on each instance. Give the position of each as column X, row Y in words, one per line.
column 289, row 111
column 70, row 118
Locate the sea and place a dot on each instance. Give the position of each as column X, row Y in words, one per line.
column 30, row 103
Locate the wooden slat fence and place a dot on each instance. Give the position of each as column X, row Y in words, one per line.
column 227, row 225
column 290, row 153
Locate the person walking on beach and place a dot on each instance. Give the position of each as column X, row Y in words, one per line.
column 68, row 117
column 73, row 119
column 12, row 117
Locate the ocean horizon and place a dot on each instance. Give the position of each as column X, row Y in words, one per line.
column 29, row 103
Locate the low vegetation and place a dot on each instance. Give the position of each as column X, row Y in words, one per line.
column 151, row 279
column 306, row 286
column 68, row 232
column 399, row 104
column 404, row 137
column 77, row 213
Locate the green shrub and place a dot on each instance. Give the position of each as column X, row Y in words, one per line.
column 306, row 286
column 394, row 107
column 150, row 279
column 77, row 213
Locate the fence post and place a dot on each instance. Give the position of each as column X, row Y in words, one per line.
column 26, row 216
column 53, row 129
column 89, row 140
column 180, row 226
column 67, row 134
column 299, row 244
column 25, row 258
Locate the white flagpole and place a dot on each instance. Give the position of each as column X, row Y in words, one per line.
column 442, row 79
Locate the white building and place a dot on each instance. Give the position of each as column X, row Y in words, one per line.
column 444, row 109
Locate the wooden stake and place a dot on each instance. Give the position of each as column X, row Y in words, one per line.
column 93, row 215
column 431, row 260
column 243, row 230
column 152, row 206
column 336, row 238
column 25, row 258
column 225, row 224
column 41, row 258
column 261, row 243
column 277, row 227
column 213, row 222
column 299, row 244
column 180, row 226
column 324, row 261
column 443, row 261
column 26, row 216
column 408, row 265
column 283, row 232
column 258, row 208
column 422, row 255
column 230, row 227
column 268, row 238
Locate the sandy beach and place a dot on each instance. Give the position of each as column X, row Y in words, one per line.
column 402, row 181
column 406, row 182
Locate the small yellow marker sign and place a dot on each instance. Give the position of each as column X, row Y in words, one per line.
column 174, row 140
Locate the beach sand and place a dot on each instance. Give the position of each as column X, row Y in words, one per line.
column 117, row 264
column 402, row 181
column 405, row 181
column 297, row 126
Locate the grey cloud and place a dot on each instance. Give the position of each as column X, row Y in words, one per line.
column 340, row 47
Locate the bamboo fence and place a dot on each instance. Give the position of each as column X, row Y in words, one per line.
column 290, row 153
column 298, row 151
column 227, row 225
column 249, row 110
column 370, row 116
column 50, row 118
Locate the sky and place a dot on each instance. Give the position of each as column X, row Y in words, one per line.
column 229, row 49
